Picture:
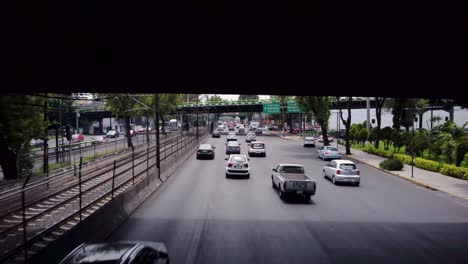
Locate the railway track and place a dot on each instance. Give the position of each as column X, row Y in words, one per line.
column 57, row 210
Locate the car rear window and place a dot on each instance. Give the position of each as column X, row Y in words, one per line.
column 258, row 146
column 309, row 138
column 238, row 159
column 332, row 149
column 290, row 169
column 347, row 166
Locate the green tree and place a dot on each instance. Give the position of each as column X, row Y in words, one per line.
column 248, row 97
column 320, row 108
column 401, row 115
column 372, row 135
column 379, row 104
column 215, row 98
column 21, row 119
column 421, row 142
column 123, row 107
column 398, row 140
column 346, row 122
column 455, row 141
column 386, row 136
column 363, row 135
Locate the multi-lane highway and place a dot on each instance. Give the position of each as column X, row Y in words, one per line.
column 202, row 217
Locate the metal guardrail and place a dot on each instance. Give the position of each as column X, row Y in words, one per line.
column 171, row 146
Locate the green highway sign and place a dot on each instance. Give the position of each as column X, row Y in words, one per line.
column 293, row 108
column 271, row 108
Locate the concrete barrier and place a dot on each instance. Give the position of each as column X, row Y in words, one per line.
column 99, row 225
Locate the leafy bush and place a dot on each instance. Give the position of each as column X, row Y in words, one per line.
column 427, row 164
column 391, row 164
column 404, row 158
column 455, row 171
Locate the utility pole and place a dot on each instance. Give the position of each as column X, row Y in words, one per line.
column 198, row 124
column 46, row 140
column 368, row 114
column 156, row 112
column 77, row 116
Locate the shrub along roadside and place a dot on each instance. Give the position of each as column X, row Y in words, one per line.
column 446, row 169
column 451, row 170
column 427, row 164
column 391, row 164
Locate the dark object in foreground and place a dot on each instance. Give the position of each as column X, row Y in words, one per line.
column 128, row 252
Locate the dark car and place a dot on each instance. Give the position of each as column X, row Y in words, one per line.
column 206, row 151
column 216, row 134
column 232, row 147
column 128, row 252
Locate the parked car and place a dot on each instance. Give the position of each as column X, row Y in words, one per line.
column 128, row 252
column 309, row 141
column 231, row 136
column 328, row 152
column 237, row 165
column 291, row 179
column 215, row 134
column 250, row 137
column 257, row 149
column 233, row 147
column 76, row 138
column 112, row 134
column 206, row 151
column 99, row 139
column 342, row 171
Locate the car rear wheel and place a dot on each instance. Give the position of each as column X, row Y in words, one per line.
column 307, row 197
column 281, row 194
column 248, row 176
column 356, row 184
column 333, row 180
column 324, row 174
column 227, row 175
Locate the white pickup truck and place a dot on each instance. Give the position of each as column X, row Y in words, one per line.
column 291, row 179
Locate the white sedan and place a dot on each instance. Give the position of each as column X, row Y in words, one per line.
column 237, row 165
column 342, row 171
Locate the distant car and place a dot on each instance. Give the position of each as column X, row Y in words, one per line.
column 241, row 131
column 274, row 128
column 250, row 137
column 221, row 128
column 237, row 125
column 206, row 151
column 112, row 134
column 37, row 143
column 257, row 149
column 63, row 141
column 342, row 171
column 237, row 165
column 328, row 152
column 128, row 252
column 233, row 147
column 330, row 138
column 309, row 141
column 76, row 138
column 231, row 136
column 215, row 134
column 99, row 139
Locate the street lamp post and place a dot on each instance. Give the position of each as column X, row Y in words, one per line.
column 412, row 153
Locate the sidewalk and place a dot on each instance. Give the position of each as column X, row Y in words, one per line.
column 428, row 179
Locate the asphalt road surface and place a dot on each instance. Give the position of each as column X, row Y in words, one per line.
column 202, row 217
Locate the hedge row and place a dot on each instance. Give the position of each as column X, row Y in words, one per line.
column 370, row 149
column 455, row 171
column 405, row 158
column 427, row 164
column 391, row 164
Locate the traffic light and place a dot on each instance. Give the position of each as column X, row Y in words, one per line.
column 67, row 133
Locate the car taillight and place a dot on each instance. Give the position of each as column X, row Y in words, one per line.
column 229, row 165
column 246, row 165
column 326, row 153
column 338, row 172
column 358, row 173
